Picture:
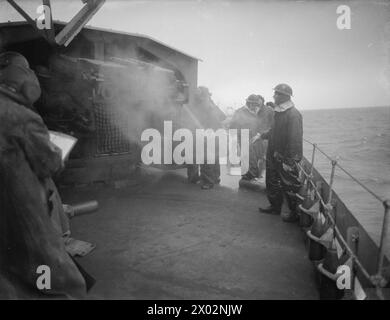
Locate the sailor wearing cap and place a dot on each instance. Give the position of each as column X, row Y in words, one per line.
column 256, row 117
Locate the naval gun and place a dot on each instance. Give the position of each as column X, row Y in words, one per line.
column 103, row 87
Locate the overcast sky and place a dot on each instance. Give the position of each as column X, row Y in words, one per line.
column 250, row 46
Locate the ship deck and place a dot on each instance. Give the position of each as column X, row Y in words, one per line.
column 163, row 238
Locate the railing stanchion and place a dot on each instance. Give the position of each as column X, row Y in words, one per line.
column 312, row 159
column 378, row 280
column 383, row 241
column 334, row 163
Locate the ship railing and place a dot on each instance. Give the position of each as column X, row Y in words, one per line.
column 377, row 280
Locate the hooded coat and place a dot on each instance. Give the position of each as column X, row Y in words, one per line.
column 256, row 122
column 205, row 114
column 284, row 147
column 28, row 238
column 286, row 136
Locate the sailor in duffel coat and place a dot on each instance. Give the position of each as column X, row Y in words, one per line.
column 29, row 238
column 284, row 153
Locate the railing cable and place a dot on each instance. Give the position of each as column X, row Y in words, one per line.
column 338, row 232
column 377, row 280
column 347, row 173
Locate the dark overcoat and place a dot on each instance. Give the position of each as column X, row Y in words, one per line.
column 28, row 238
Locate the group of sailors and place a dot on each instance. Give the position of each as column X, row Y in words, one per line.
column 33, row 222
column 276, row 138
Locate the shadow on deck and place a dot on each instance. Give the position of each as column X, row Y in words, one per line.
column 163, row 238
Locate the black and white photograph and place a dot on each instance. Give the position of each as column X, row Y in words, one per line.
column 196, row 155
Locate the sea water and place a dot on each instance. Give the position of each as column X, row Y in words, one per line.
column 359, row 139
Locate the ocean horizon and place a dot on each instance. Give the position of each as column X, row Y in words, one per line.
column 359, row 139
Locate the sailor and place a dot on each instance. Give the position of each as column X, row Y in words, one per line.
column 284, row 153
column 270, row 104
column 29, row 238
column 209, row 116
column 256, row 117
column 258, row 146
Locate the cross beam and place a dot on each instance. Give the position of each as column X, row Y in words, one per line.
column 71, row 29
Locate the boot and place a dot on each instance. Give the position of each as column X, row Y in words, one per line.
column 269, row 210
column 291, row 217
column 247, row 176
column 206, row 186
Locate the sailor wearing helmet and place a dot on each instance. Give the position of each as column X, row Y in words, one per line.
column 284, row 152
